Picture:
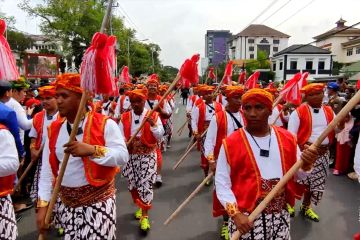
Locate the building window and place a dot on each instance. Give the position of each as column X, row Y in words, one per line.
column 275, row 49
column 321, row 65
column 358, row 50
column 250, row 40
column 293, row 65
column 281, row 66
column 251, row 56
column 309, row 65
column 276, row 41
column 349, row 52
column 274, row 66
column 251, row 49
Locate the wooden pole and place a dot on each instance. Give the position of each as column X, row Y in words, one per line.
column 187, row 152
column 273, row 123
column 27, row 170
column 79, row 115
column 179, row 131
column 281, row 184
column 189, row 198
column 171, row 87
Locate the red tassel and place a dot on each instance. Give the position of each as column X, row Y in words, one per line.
column 8, row 69
column 124, row 76
column 189, row 71
column 252, row 80
column 97, row 69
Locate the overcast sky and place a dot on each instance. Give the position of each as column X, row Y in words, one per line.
column 179, row 26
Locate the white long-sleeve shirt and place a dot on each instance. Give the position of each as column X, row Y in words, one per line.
column 274, row 115
column 210, row 140
column 157, row 130
column 209, row 112
column 9, row 161
column 269, row 167
column 166, row 107
column 116, row 155
column 23, row 122
column 223, row 102
column 190, row 104
column 126, row 105
column 319, row 124
column 47, row 122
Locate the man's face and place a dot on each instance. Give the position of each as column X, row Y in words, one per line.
column 234, row 102
column 256, row 114
column 152, row 88
column 137, row 104
column 315, row 99
column 208, row 97
column 68, row 101
column 19, row 95
column 49, row 103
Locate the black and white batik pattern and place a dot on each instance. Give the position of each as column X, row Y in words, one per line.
column 140, row 172
column 267, row 227
column 8, row 228
column 97, row 221
column 317, row 178
column 35, row 185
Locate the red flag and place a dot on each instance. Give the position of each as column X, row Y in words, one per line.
column 124, row 76
column 189, row 71
column 97, row 70
column 303, row 81
column 242, row 77
column 8, row 70
column 211, row 74
column 293, row 95
column 358, row 84
column 227, row 79
column 291, row 83
column 252, row 80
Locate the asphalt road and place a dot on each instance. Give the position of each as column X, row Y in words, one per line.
column 339, row 210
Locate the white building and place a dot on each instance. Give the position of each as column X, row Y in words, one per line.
column 247, row 43
column 296, row 58
column 43, row 42
column 343, row 43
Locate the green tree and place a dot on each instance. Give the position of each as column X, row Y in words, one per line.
column 19, row 41
column 74, row 23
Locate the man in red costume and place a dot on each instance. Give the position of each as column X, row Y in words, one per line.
column 307, row 123
column 222, row 124
column 246, row 172
column 38, row 132
column 164, row 111
column 200, row 120
column 123, row 103
column 140, row 171
column 86, row 208
column 9, row 164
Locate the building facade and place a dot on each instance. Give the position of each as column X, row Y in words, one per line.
column 305, row 58
column 342, row 41
column 247, row 43
column 216, row 46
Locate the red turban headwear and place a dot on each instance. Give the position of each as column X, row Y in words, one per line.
column 47, row 91
column 138, row 93
column 312, row 88
column 69, row 81
column 231, row 91
column 258, row 95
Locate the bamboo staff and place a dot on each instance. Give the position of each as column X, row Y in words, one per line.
column 187, row 152
column 79, row 114
column 179, row 131
column 273, row 123
column 281, row 184
column 188, row 199
column 171, row 87
column 27, row 170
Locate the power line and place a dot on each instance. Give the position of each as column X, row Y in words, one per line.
column 131, row 21
column 276, row 11
column 262, row 12
column 295, row 13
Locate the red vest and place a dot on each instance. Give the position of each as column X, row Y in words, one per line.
column 7, row 182
column 280, row 107
column 220, row 98
column 122, row 100
column 305, row 127
column 147, row 137
column 202, row 114
column 97, row 175
column 194, row 98
column 244, row 172
column 38, row 123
